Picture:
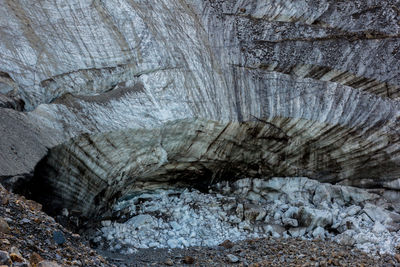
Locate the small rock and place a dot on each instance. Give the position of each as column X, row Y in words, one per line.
column 24, row 220
column 319, row 232
column 378, row 228
column 252, row 212
column 4, row 228
column 345, row 238
column 35, row 258
column 313, row 218
column 169, row 262
column 353, row 210
column 5, row 242
column 375, row 213
column 76, row 263
column 5, row 258
column 290, row 222
column 240, row 211
column 16, row 257
column 106, row 223
column 140, row 220
column 232, row 258
column 15, row 250
column 34, row 206
column 297, row 232
column 58, row 237
column 5, row 200
column 397, row 257
column 64, row 212
column 269, row 230
column 226, row 244
column 188, row 260
column 173, row 243
column 76, row 236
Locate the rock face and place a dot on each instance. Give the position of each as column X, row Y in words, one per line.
column 121, row 93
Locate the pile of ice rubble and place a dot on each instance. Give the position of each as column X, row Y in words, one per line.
column 252, row 208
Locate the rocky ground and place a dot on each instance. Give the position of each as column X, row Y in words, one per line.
column 256, row 253
column 29, row 237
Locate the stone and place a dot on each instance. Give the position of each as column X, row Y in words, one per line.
column 15, row 250
column 4, row 227
column 227, row 244
column 65, row 212
column 16, row 257
column 297, row 232
column 254, row 197
column 5, row 241
column 312, row 218
column 352, row 210
column 169, row 262
column 4, row 200
column 254, row 213
column 173, row 243
column 232, row 258
column 58, row 237
column 270, row 230
column 76, row 263
column 346, row 238
column 106, row 223
column 240, row 211
column 290, row 222
column 392, row 226
column 319, row 232
column 35, row 258
column 376, row 213
column 378, row 228
column 24, row 220
column 291, row 212
column 188, row 260
column 141, row 220
column 349, row 223
column 5, row 258
column 289, row 215
column 397, row 257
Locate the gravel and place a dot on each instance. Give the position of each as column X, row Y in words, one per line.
column 29, row 236
column 256, row 253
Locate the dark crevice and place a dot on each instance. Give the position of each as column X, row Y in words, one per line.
column 5, row 75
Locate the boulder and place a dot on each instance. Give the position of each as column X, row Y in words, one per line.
column 312, row 218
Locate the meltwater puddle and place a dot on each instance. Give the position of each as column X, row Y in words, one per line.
column 253, row 208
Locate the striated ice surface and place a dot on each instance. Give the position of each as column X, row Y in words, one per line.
column 252, row 208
